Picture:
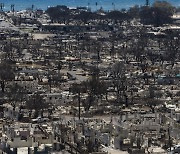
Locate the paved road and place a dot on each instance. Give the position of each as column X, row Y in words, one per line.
column 113, row 151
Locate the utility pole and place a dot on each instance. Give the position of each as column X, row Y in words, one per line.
column 169, row 137
column 79, row 105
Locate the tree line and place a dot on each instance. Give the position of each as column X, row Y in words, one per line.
column 158, row 14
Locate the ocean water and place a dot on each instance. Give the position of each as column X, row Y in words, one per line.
column 105, row 4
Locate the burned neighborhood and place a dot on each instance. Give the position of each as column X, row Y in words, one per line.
column 80, row 81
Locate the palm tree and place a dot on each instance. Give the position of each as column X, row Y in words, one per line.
column 88, row 5
column 1, row 6
column 113, row 4
column 12, row 8
column 147, row 2
column 96, row 5
column 32, row 7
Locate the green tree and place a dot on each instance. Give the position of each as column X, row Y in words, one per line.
column 86, row 16
column 164, row 5
column 37, row 103
column 93, row 87
column 120, row 81
column 160, row 13
column 134, row 11
column 96, row 87
column 59, row 13
column 6, row 74
column 117, row 16
column 172, row 47
column 88, row 102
